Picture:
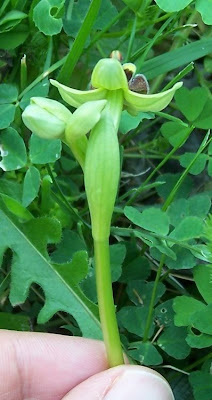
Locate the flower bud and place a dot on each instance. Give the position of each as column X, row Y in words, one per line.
column 46, row 118
column 81, row 122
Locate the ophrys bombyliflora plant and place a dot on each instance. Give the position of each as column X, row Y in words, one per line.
column 98, row 111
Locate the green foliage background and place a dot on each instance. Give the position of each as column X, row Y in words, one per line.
column 161, row 235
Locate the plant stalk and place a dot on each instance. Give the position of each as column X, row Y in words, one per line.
column 102, row 258
column 106, row 303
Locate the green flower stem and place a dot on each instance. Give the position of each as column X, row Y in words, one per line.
column 106, row 304
column 103, row 147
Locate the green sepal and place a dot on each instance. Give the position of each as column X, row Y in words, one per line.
column 46, row 118
column 76, row 97
column 81, row 122
column 135, row 102
column 53, row 107
column 109, row 74
column 102, row 171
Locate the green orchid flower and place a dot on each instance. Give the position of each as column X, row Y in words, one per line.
column 112, row 82
column 109, row 75
column 114, row 88
column 50, row 119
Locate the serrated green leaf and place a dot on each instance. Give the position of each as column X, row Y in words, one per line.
column 74, row 271
column 12, row 150
column 45, row 16
column 134, row 320
column 203, row 280
column 191, row 102
column 205, row 9
column 184, row 307
column 188, row 228
column 43, row 151
column 7, row 114
column 32, row 264
column 31, row 185
column 201, row 383
column 174, row 133
column 152, row 219
column 172, row 6
column 173, row 342
column 140, row 292
column 70, row 244
column 8, row 93
column 145, row 353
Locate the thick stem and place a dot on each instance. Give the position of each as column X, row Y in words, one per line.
column 102, row 263
column 106, row 304
column 102, row 170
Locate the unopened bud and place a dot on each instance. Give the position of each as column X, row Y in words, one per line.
column 46, row 118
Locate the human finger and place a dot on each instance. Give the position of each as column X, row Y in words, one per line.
column 123, row 383
column 46, row 366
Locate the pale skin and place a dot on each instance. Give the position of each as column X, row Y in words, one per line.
column 42, row 366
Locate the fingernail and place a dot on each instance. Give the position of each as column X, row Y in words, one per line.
column 140, row 385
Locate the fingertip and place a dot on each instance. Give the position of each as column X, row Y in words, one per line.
column 124, row 383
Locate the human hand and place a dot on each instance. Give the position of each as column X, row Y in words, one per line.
column 42, row 366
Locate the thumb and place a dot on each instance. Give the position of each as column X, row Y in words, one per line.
column 123, row 383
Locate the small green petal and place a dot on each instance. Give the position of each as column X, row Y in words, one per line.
column 84, row 118
column 149, row 102
column 81, row 122
column 76, row 97
column 109, row 74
